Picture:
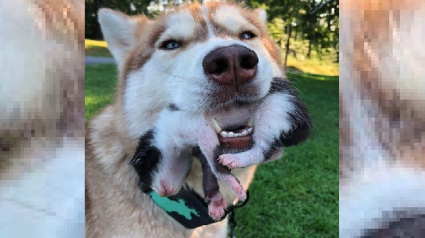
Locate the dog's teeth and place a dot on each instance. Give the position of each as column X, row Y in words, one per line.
column 251, row 122
column 249, row 130
column 244, row 132
column 231, row 134
column 216, row 126
column 224, row 134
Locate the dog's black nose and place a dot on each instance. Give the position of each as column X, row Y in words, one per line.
column 231, row 65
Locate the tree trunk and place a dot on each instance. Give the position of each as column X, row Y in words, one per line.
column 287, row 45
column 97, row 31
column 309, row 50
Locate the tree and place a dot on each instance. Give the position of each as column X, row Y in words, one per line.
column 299, row 27
column 130, row 7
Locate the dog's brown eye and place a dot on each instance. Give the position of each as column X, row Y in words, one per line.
column 170, row 45
column 246, row 35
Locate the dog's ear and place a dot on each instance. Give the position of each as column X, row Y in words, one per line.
column 262, row 16
column 119, row 31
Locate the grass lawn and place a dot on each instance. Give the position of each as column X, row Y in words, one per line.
column 313, row 66
column 296, row 196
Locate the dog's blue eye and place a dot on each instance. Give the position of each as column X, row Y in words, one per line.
column 246, row 35
column 170, row 45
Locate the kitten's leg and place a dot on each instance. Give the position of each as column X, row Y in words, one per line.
column 280, row 120
column 209, row 146
column 216, row 203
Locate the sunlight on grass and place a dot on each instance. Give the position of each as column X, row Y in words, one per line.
column 92, row 101
column 314, row 76
column 97, row 48
column 91, row 43
column 313, row 66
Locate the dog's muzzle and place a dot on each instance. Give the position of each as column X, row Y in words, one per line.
column 231, row 66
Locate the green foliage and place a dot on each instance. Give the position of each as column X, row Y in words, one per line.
column 314, row 26
column 296, row 196
column 93, row 6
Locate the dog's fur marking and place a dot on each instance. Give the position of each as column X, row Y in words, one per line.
column 173, row 107
column 180, row 26
column 232, row 25
column 207, row 18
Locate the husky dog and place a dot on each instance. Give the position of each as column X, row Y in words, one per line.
column 200, row 58
column 279, row 119
column 42, row 118
column 382, row 115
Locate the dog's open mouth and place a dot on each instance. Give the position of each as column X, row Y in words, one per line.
column 237, row 137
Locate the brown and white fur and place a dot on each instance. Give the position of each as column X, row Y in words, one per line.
column 382, row 115
column 149, row 79
column 42, row 118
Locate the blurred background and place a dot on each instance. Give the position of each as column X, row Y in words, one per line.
column 296, row 196
column 42, row 118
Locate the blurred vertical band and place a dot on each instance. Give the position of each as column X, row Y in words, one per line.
column 42, row 118
column 382, row 118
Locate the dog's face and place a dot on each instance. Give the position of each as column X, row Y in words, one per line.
column 199, row 58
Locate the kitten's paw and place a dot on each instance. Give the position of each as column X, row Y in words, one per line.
column 241, row 195
column 217, row 207
column 235, row 185
column 228, row 160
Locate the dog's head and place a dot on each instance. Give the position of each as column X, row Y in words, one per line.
column 198, row 57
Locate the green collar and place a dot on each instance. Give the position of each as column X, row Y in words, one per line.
column 179, row 206
column 187, row 207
